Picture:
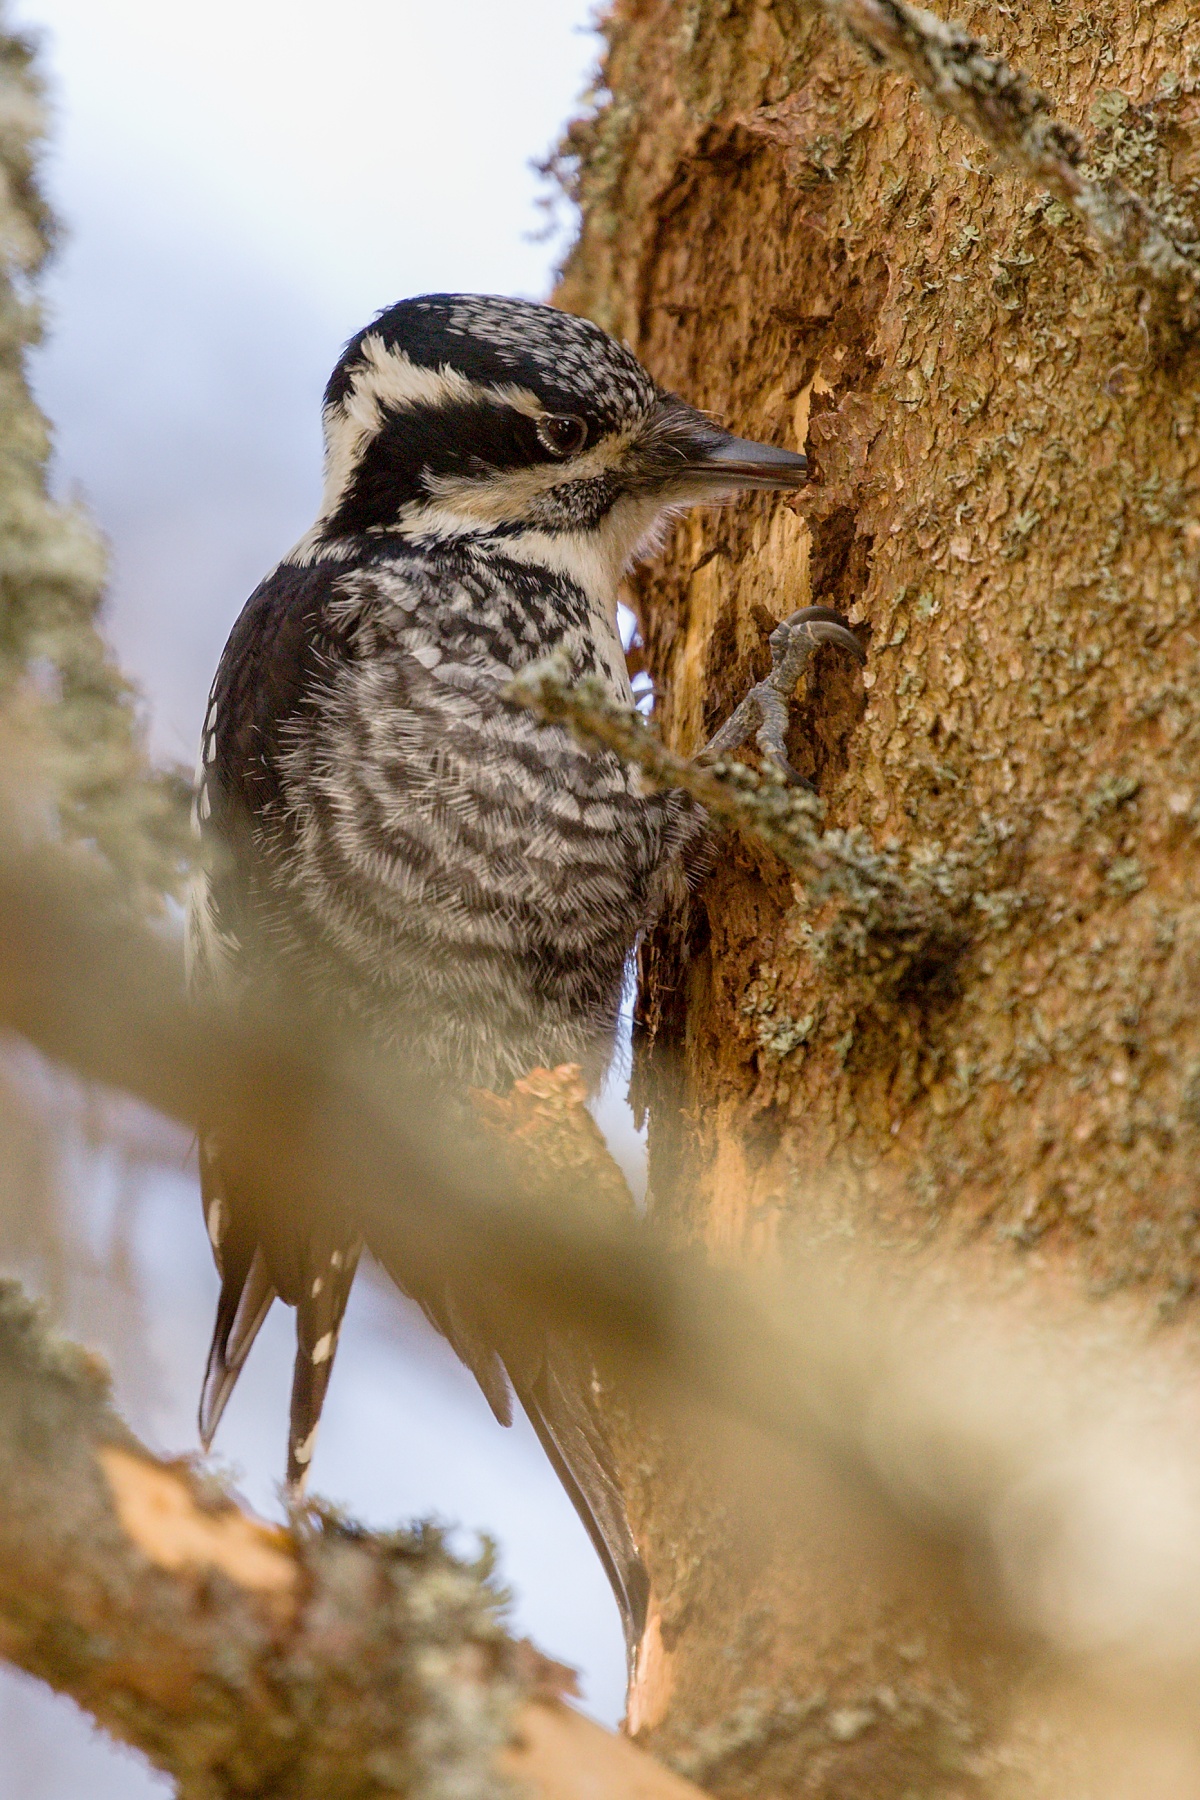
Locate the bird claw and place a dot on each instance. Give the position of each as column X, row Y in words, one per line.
column 764, row 711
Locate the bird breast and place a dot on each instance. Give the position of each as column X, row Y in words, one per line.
column 469, row 873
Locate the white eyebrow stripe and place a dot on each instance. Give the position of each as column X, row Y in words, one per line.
column 390, row 378
column 389, row 381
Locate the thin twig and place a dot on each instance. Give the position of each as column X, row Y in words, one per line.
column 958, row 75
column 783, row 816
column 894, row 927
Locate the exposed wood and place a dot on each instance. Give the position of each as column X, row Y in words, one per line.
column 563, row 1756
column 158, row 1511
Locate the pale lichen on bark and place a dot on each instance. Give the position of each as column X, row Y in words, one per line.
column 960, row 76
column 59, row 683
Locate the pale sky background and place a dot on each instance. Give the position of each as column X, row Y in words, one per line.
column 243, row 185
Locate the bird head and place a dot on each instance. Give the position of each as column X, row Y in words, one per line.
column 520, row 427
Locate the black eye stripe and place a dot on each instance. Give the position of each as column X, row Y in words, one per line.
column 417, row 443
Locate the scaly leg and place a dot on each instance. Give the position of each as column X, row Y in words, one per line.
column 764, row 711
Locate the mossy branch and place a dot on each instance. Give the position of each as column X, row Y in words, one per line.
column 895, row 928
column 958, row 75
column 59, row 682
column 316, row 1660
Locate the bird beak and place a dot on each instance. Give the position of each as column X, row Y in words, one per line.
column 700, row 460
column 741, row 463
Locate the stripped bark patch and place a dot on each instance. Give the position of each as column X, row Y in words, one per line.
column 158, row 1510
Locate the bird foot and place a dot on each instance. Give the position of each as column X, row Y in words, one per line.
column 764, row 711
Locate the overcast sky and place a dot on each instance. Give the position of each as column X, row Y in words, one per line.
column 244, row 185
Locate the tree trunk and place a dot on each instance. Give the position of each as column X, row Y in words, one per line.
column 1006, row 469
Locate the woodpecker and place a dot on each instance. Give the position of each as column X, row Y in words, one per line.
column 389, row 838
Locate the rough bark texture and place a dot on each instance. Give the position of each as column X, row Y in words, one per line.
column 1007, row 504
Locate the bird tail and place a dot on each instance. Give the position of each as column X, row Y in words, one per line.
column 314, row 1276
column 247, row 1294
column 247, row 1291
column 326, row 1281
column 557, row 1403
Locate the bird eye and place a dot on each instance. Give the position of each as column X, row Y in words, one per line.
column 562, row 434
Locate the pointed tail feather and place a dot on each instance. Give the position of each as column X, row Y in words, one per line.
column 320, row 1306
column 479, row 1355
column 246, row 1297
column 558, row 1410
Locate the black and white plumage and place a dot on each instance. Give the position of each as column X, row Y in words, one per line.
column 394, row 842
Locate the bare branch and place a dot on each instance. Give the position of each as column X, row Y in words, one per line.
column 960, row 76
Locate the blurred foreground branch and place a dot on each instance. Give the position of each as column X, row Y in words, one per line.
column 1015, row 1493
column 320, row 1662
column 57, row 674
column 312, row 1127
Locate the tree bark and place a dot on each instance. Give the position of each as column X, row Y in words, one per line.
column 999, row 401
